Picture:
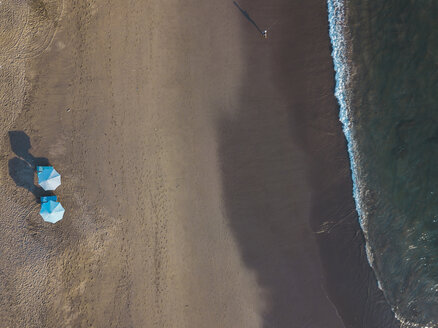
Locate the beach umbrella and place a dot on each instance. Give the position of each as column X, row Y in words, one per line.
column 48, row 178
column 52, row 211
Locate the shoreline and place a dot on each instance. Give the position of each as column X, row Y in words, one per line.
column 342, row 57
column 349, row 79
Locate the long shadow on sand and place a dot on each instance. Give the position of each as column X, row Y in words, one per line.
column 287, row 182
column 22, row 168
column 248, row 17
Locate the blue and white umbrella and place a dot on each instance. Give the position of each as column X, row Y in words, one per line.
column 52, row 211
column 48, row 178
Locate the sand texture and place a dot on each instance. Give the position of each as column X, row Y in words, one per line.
column 204, row 172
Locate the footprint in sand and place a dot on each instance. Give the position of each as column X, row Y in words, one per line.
column 27, row 27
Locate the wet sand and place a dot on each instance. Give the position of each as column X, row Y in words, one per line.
column 205, row 174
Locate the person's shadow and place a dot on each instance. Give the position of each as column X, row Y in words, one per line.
column 22, row 168
column 244, row 13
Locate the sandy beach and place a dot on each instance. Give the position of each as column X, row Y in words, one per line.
column 205, row 175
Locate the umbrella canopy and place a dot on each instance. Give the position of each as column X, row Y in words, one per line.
column 52, row 211
column 48, row 178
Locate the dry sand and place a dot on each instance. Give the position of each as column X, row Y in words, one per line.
column 205, row 175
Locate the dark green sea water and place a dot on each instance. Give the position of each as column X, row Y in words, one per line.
column 390, row 109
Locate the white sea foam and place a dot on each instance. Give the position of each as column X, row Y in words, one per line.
column 338, row 34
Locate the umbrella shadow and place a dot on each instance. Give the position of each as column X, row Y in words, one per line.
column 244, row 13
column 22, row 167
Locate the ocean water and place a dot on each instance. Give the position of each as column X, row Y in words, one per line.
column 386, row 61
